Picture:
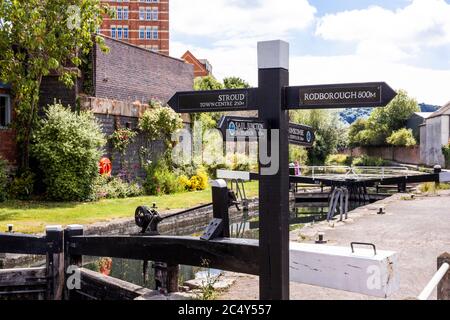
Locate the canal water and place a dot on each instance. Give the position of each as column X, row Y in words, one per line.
column 243, row 226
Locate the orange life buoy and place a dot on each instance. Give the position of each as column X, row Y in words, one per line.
column 105, row 166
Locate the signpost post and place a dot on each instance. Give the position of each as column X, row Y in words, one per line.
column 273, row 98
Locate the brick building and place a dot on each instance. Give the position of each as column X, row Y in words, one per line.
column 116, row 87
column 144, row 23
column 202, row 67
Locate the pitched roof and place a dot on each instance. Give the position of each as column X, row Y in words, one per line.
column 196, row 61
column 445, row 110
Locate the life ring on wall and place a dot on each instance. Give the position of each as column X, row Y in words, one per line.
column 105, row 167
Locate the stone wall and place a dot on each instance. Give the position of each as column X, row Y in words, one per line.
column 407, row 155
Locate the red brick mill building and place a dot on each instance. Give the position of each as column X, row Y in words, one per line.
column 117, row 89
column 144, row 23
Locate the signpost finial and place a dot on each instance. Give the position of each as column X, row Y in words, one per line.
column 273, row 54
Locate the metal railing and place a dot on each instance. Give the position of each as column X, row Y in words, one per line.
column 345, row 172
column 434, row 282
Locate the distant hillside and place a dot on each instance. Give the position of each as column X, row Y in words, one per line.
column 428, row 107
column 348, row 116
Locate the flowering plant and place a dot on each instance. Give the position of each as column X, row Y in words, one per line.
column 122, row 138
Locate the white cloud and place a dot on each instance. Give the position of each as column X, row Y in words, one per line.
column 391, row 35
column 426, row 85
column 223, row 19
column 386, row 42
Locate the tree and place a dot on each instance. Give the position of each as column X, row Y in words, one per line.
column 329, row 130
column 207, row 83
column 38, row 37
column 235, row 83
column 382, row 122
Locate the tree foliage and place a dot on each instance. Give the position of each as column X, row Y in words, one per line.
column 68, row 146
column 383, row 122
column 402, row 138
column 207, row 83
column 38, row 37
column 235, row 83
column 330, row 132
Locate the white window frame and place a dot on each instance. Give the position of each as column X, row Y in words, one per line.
column 8, row 110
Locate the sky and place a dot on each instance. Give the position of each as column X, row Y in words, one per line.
column 405, row 43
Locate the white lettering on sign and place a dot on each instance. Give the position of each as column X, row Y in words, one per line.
column 227, row 100
column 340, row 95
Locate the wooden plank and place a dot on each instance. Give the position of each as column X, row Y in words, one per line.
column 22, row 244
column 101, row 287
column 239, row 255
column 55, row 262
column 22, row 277
column 339, row 268
column 229, row 175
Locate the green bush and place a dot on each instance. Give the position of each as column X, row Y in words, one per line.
column 299, row 154
column 114, row 188
column 402, row 138
column 22, row 185
column 3, row 180
column 366, row 161
column 339, row 160
column 160, row 180
column 68, row 148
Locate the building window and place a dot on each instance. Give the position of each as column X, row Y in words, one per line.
column 119, row 32
column 5, row 111
column 141, row 13
column 141, row 33
column 119, row 13
column 155, row 14
column 113, row 32
column 148, row 14
column 125, row 13
column 125, row 33
column 148, row 33
column 155, row 33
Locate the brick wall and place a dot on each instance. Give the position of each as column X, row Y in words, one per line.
column 8, row 148
column 129, row 73
column 52, row 89
column 132, row 168
column 407, row 155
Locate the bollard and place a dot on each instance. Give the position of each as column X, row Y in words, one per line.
column 221, row 205
column 437, row 169
column 10, row 228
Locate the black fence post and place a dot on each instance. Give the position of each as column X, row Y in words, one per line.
column 55, row 262
column 220, row 200
column 273, row 65
column 71, row 262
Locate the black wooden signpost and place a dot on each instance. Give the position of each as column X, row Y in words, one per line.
column 361, row 95
column 273, row 98
column 301, row 135
column 214, row 101
column 242, row 128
